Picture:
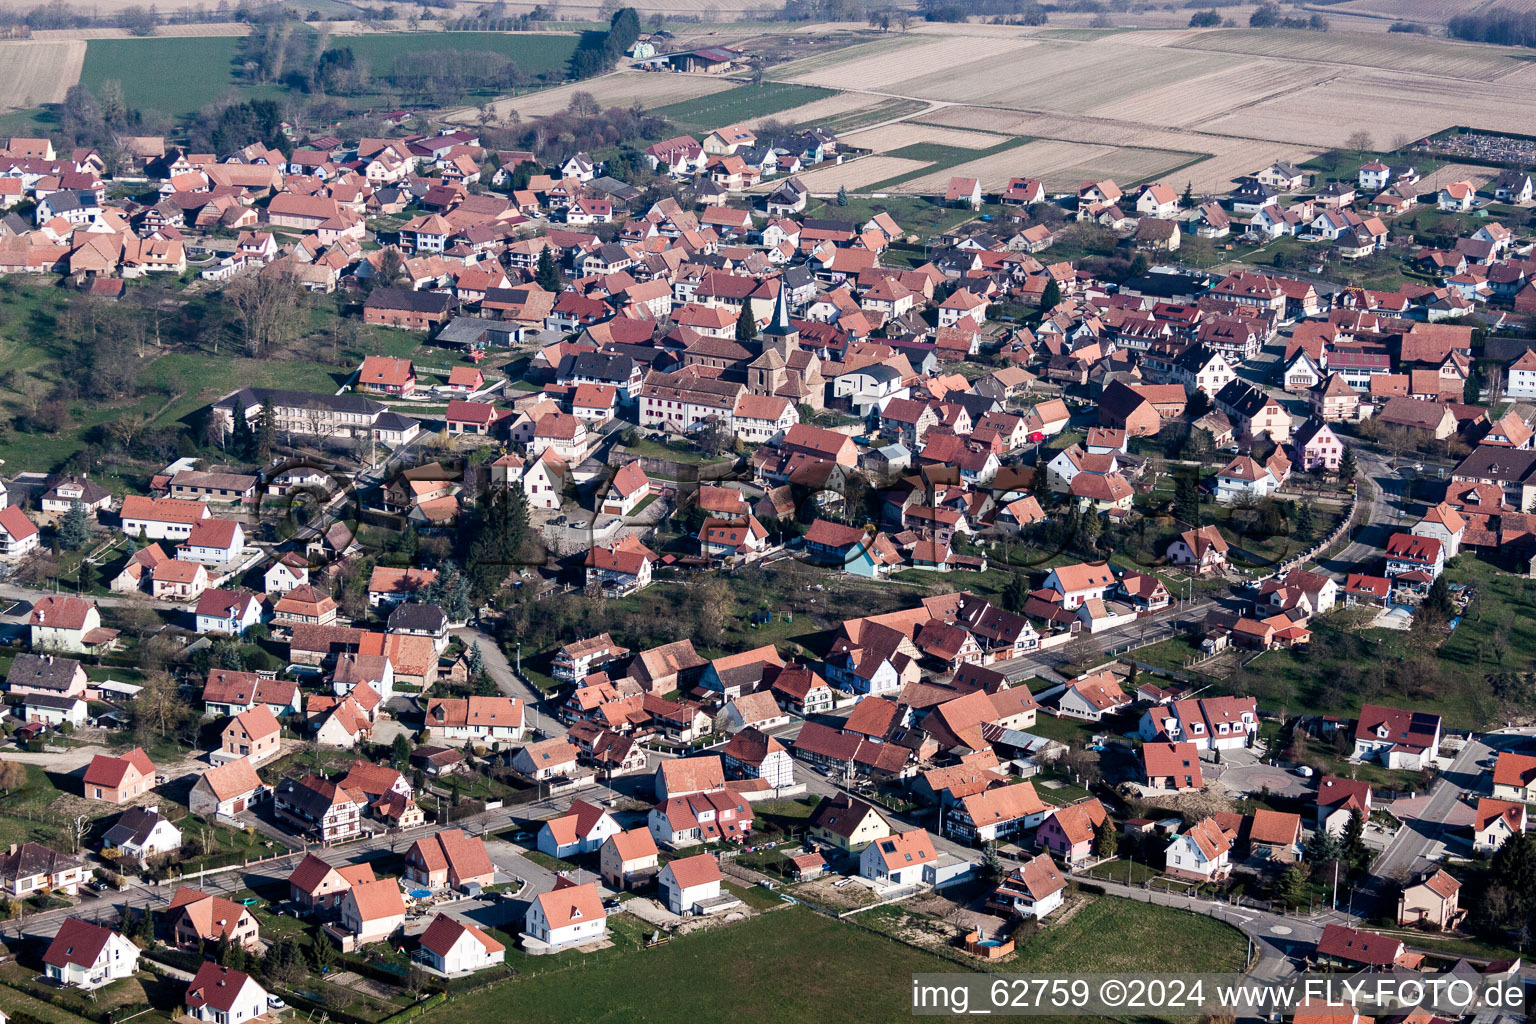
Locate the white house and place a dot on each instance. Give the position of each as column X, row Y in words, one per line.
column 1495, row 823
column 899, row 858
column 583, row 830
column 1212, row 723
column 1079, row 583
column 142, row 832
column 686, row 882
column 453, row 947
column 223, row 995
column 1521, row 383
column 216, row 542
column 88, row 956
column 18, row 534
column 1203, row 852
column 231, row 612
column 1031, row 890
column 1244, row 480
column 568, row 915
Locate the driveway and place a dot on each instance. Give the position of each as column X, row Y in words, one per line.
column 1241, row 780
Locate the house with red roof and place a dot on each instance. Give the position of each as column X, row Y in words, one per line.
column 1354, row 948
column 688, row 884
column 1204, row 549
column 253, row 734
column 1171, row 766
column 628, row 859
column 453, row 948
column 1071, row 831
column 568, row 915
column 230, row 612
column 898, row 859
column 449, row 859
column 198, row 917
column 369, row 912
column 473, row 418
column 318, row 887
column 223, row 995
column 1399, row 739
column 1494, row 822
column 1030, row 891
column 117, row 780
column 583, row 829
column 1203, row 852
column 1340, row 799
column 627, row 489
column 18, row 534
column 87, row 956
column 213, row 542
column 386, row 375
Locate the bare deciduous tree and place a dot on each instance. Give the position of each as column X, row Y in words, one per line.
column 265, row 307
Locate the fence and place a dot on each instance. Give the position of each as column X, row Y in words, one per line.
column 1345, row 525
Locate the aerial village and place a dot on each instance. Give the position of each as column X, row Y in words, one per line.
column 691, row 548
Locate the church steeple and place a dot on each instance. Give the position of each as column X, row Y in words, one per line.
column 780, row 334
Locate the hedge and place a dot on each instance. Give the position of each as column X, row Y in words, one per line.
column 416, row 1009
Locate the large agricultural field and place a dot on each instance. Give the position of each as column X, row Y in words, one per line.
column 205, row 70
column 1202, row 106
column 207, row 65
column 32, row 73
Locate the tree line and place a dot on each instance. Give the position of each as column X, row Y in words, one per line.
column 598, row 51
column 1502, row 26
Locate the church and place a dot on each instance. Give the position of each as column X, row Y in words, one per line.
column 784, row 369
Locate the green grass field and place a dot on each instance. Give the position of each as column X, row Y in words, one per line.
column 941, row 157
column 204, row 69
column 739, row 104
column 791, row 965
column 534, row 54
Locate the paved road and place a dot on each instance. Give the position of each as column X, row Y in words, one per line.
column 510, row 683
column 1417, row 837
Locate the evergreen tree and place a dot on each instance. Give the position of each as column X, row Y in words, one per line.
column 240, row 434
column 75, row 529
column 1305, row 522
column 842, row 195
column 746, row 321
column 1186, row 499
column 1348, row 470
column 1292, row 886
column 321, row 951
column 1355, row 854
column 400, row 750
column 1438, row 600
column 499, row 538
column 476, row 660
column 1050, row 296
column 1040, row 487
column 547, row 275
column 1187, row 200
column 1322, row 848
column 1106, row 838
column 266, row 431
column 1015, row 593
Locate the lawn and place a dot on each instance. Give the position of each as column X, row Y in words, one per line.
column 791, row 965
column 1346, row 666
column 742, row 103
column 1121, row 936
